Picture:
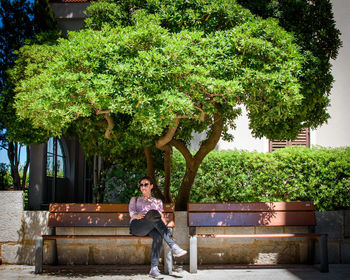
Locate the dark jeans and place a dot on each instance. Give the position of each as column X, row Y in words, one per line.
column 153, row 226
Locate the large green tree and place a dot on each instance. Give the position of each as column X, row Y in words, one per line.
column 21, row 20
column 145, row 75
column 311, row 22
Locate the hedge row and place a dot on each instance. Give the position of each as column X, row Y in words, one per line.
column 321, row 175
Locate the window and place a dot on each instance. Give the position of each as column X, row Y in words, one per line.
column 55, row 159
column 303, row 139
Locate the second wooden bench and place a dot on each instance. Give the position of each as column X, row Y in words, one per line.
column 253, row 215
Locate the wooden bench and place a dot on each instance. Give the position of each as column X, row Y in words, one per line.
column 254, row 215
column 94, row 215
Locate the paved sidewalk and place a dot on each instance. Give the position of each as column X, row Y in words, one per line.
column 296, row 272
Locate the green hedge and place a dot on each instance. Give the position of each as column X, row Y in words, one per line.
column 320, row 175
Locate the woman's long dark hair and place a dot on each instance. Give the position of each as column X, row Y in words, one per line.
column 148, row 178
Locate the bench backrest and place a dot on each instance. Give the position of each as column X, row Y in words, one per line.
column 100, row 215
column 251, row 214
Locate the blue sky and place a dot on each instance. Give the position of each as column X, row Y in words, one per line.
column 3, row 156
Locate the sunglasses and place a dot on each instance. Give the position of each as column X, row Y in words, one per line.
column 144, row 185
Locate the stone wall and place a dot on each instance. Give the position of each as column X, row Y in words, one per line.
column 337, row 225
column 18, row 229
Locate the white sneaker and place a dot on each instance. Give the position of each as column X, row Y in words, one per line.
column 177, row 251
column 155, row 273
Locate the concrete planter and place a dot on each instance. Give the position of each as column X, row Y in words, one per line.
column 11, row 221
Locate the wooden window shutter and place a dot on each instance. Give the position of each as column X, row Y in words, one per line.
column 303, row 139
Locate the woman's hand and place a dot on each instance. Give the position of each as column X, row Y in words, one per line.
column 138, row 216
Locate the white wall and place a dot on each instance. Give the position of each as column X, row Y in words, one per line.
column 243, row 139
column 337, row 132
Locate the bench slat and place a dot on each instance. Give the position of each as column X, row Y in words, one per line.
column 96, row 207
column 97, row 219
column 252, row 219
column 52, row 237
column 251, row 207
column 277, row 235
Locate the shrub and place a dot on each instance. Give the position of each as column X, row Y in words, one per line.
column 121, row 183
column 321, row 175
column 5, row 177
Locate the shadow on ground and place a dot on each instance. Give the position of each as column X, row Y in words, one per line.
column 80, row 271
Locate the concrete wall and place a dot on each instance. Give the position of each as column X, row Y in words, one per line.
column 69, row 16
column 18, row 229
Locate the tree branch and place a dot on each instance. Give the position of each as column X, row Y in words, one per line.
column 3, row 147
column 165, row 139
column 181, row 146
column 109, row 120
column 202, row 117
column 213, row 139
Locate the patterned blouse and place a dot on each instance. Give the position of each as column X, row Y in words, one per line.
column 144, row 205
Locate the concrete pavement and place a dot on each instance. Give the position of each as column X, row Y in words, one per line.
column 294, row 272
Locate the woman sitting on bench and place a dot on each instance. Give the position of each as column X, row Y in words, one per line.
column 146, row 219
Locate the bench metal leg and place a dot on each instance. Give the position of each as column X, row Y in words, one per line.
column 311, row 251
column 168, row 260
column 53, row 251
column 324, row 253
column 193, row 254
column 53, row 246
column 39, row 248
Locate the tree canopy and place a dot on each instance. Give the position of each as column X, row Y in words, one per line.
column 314, row 29
column 159, row 71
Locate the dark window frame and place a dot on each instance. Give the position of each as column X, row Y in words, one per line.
column 55, row 155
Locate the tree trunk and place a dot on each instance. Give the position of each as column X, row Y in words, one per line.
column 12, row 153
column 185, row 190
column 167, row 169
column 151, row 171
column 193, row 162
column 97, row 179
